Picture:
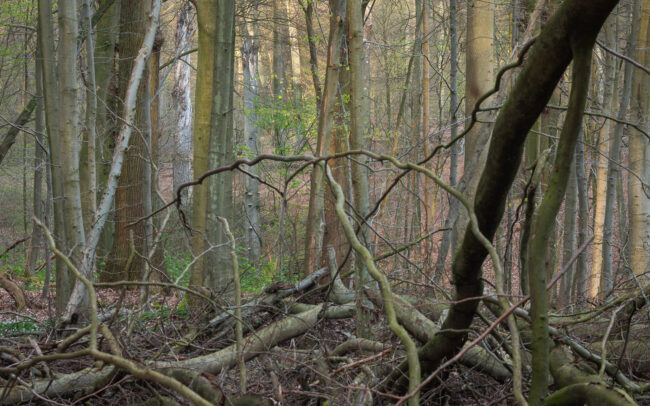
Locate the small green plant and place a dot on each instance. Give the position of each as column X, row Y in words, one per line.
column 17, row 327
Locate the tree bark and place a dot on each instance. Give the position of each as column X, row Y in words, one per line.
column 183, row 102
column 129, row 198
column 639, row 157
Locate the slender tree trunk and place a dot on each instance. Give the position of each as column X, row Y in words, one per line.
column 207, row 19
column 639, row 156
column 182, row 100
column 313, row 54
column 569, row 240
column 40, row 165
column 88, row 148
column 596, row 277
column 64, row 279
column 249, row 53
column 358, row 131
column 313, row 232
column 580, row 279
column 479, row 78
column 447, row 239
column 613, row 170
column 69, row 130
column 217, row 273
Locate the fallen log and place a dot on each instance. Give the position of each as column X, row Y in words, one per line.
column 270, row 297
column 64, row 386
column 254, row 344
column 424, row 329
column 579, row 384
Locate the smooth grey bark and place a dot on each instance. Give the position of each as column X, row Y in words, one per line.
column 249, row 53
column 358, row 132
column 69, row 126
column 181, row 97
column 580, row 278
column 64, row 279
column 218, row 270
column 88, row 167
column 613, row 170
column 40, row 165
column 569, row 240
column 455, row 149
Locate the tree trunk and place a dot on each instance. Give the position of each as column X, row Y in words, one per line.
column 182, row 100
column 596, row 278
column 129, row 198
column 69, row 130
column 613, row 170
column 207, row 19
column 88, row 147
column 217, row 272
column 639, row 156
column 580, row 279
column 249, row 53
column 313, row 232
column 64, row 279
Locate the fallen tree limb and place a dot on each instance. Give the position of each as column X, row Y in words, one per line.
column 85, row 381
column 254, row 344
column 424, row 330
column 14, row 291
column 270, row 297
column 580, row 384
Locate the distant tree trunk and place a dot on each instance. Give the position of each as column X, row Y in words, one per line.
column 596, row 278
column 479, row 78
column 582, row 271
column 455, row 149
column 279, row 69
column 153, row 201
column 129, row 198
column 40, row 165
column 613, row 170
column 108, row 28
column 639, row 156
column 182, row 101
column 88, row 148
column 249, row 52
column 569, row 240
column 308, row 9
column 313, row 232
column 217, row 272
